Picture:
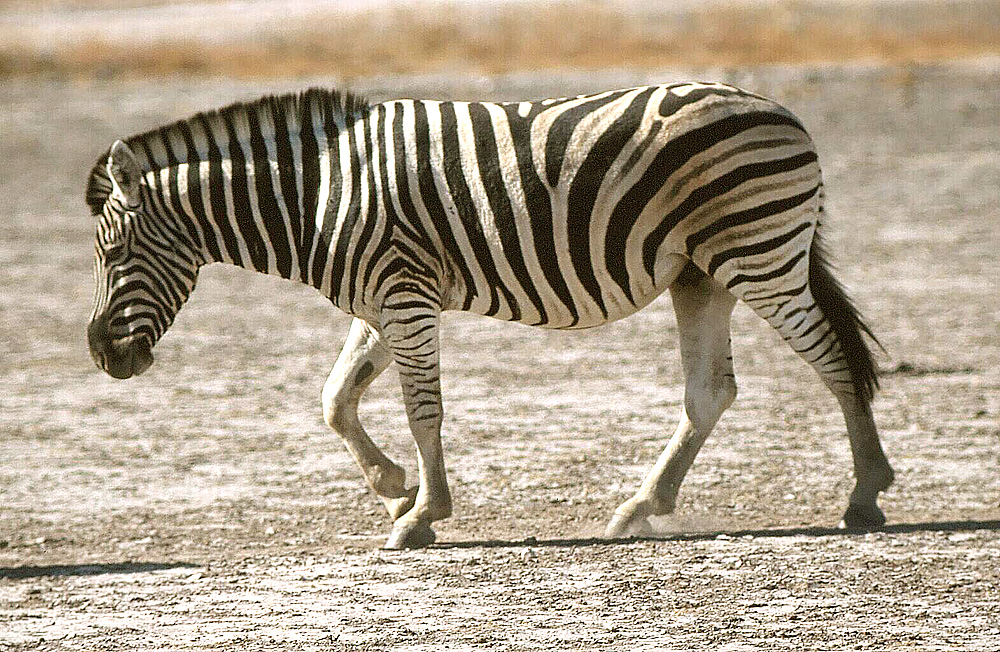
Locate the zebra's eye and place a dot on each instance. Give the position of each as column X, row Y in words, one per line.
column 114, row 253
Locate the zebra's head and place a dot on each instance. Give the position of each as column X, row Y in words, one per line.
column 145, row 268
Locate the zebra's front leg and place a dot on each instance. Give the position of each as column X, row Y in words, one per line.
column 411, row 332
column 361, row 360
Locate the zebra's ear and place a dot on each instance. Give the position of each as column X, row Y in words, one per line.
column 125, row 173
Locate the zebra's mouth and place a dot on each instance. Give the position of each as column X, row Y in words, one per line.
column 127, row 357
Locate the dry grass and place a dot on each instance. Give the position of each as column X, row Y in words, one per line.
column 559, row 35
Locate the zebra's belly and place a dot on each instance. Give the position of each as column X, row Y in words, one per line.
column 577, row 308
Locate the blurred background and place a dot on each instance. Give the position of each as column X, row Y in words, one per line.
column 352, row 38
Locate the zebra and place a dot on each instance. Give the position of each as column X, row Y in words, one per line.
column 563, row 213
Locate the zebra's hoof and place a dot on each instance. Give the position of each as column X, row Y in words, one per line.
column 399, row 506
column 862, row 517
column 629, row 525
column 410, row 535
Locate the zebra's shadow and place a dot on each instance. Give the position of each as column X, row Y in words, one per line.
column 769, row 533
column 74, row 570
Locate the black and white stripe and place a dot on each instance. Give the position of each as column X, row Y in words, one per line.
column 563, row 213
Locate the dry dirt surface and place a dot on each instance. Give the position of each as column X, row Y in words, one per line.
column 205, row 505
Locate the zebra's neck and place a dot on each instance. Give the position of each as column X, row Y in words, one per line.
column 268, row 186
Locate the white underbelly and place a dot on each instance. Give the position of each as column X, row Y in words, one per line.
column 586, row 312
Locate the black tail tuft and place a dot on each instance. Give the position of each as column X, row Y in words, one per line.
column 845, row 320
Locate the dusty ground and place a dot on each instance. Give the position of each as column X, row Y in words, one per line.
column 206, row 506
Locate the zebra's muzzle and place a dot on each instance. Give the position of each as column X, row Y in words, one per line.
column 120, row 358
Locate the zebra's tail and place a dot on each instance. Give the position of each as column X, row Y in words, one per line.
column 845, row 320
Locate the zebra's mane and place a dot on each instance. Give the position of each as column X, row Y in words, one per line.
column 339, row 107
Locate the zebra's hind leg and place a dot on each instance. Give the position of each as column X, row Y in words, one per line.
column 854, row 390
column 703, row 309
column 872, row 471
column 361, row 360
column 814, row 315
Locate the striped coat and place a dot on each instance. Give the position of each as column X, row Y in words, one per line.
column 564, row 213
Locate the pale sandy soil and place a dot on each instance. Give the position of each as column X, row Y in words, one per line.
column 206, row 506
